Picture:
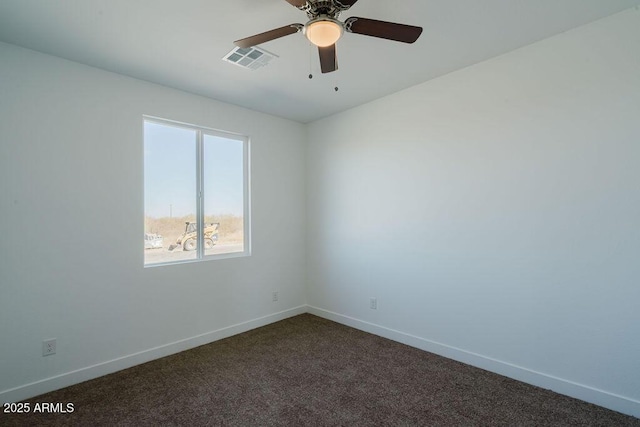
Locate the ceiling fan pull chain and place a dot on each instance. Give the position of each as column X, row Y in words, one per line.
column 311, row 53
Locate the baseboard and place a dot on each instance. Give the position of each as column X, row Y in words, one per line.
column 579, row 391
column 598, row 397
column 75, row 377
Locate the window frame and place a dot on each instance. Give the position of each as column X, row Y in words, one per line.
column 201, row 132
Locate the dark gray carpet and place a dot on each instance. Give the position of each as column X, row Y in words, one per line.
column 307, row 371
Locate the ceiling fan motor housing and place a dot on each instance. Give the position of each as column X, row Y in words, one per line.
column 330, row 8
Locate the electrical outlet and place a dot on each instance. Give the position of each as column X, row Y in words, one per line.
column 373, row 303
column 274, row 296
column 49, row 347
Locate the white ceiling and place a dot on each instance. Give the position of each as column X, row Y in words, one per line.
column 180, row 43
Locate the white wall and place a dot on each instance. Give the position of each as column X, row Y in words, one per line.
column 71, row 209
column 495, row 214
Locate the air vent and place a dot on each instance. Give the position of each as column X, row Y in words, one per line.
column 251, row 57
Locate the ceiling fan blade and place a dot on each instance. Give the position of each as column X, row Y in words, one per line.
column 297, row 3
column 328, row 59
column 268, row 36
column 382, row 29
column 345, row 3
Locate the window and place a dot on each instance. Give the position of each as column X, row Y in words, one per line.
column 196, row 193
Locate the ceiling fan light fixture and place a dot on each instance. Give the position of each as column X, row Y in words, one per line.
column 323, row 31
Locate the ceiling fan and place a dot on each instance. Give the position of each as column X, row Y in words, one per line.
column 324, row 29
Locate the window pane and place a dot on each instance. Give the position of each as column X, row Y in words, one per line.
column 223, row 185
column 169, row 193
